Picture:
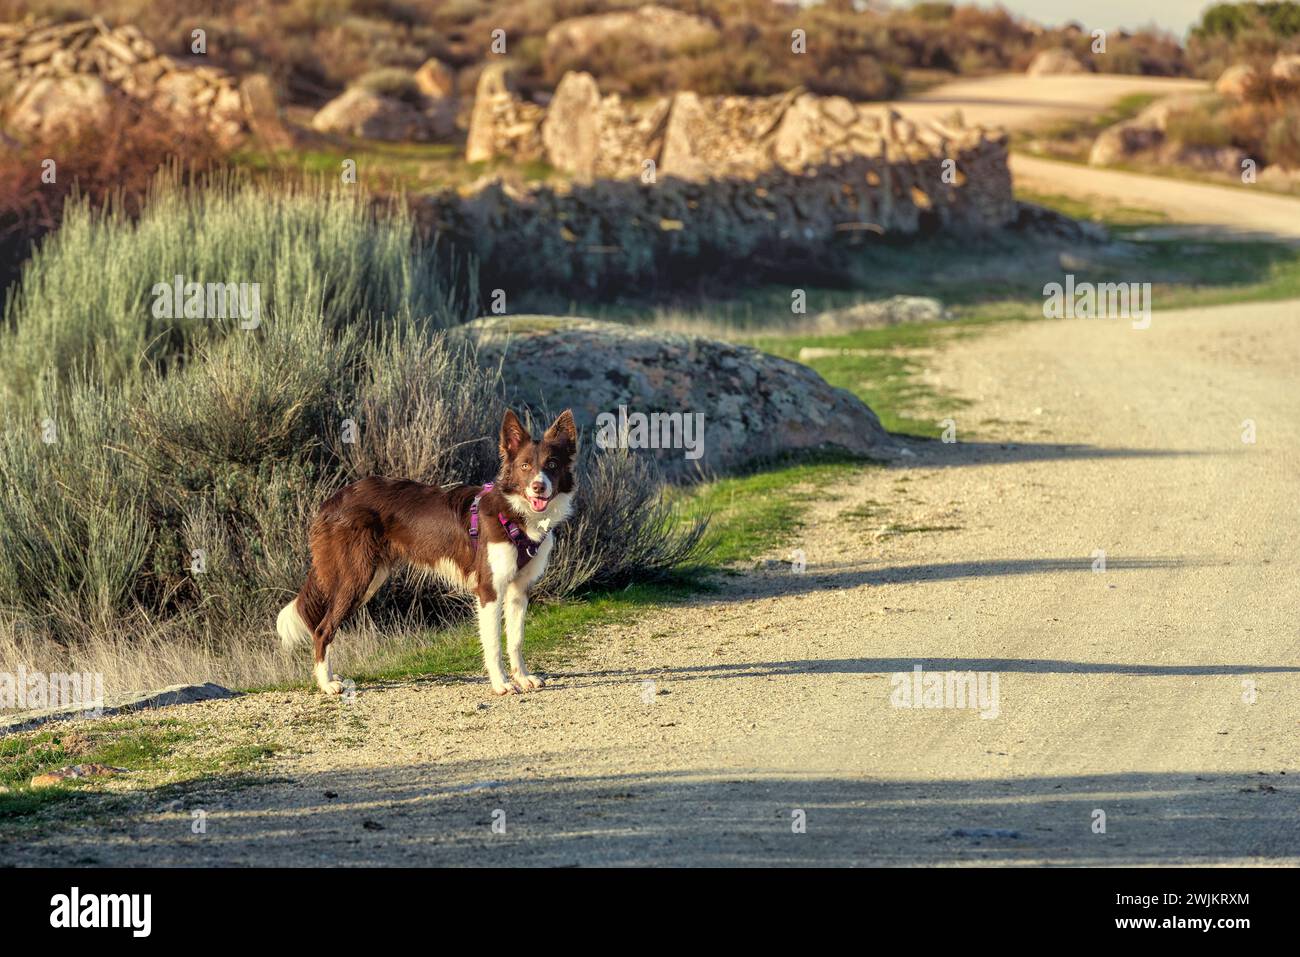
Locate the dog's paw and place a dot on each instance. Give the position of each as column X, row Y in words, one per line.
column 526, row 681
column 333, row 686
column 503, row 687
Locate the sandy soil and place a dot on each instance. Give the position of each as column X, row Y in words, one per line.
column 1160, row 692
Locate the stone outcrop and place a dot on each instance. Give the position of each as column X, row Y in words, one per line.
column 63, row 76
column 571, row 130
column 435, row 80
column 651, row 28
column 1145, row 137
column 118, row 704
column 1234, row 81
column 1055, row 62
column 361, row 113
column 50, row 107
column 1286, row 69
column 502, row 124
column 756, row 406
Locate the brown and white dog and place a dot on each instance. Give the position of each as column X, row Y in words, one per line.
column 372, row 527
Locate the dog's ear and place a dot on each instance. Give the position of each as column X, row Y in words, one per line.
column 513, row 434
column 564, row 431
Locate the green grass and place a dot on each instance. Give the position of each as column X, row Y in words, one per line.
column 146, row 747
column 552, row 633
column 764, row 510
column 883, row 370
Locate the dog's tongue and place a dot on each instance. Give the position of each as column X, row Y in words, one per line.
column 538, row 504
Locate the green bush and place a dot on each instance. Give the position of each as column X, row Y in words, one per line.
column 318, row 255
column 163, row 481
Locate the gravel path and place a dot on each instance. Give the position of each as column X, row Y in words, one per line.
column 1161, row 692
column 1019, row 102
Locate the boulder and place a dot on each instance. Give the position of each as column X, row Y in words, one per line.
column 1234, row 81
column 370, row 116
column 1118, row 143
column 118, row 704
column 436, row 80
column 47, row 107
column 755, row 406
column 502, row 124
column 1286, row 68
column 687, row 123
column 655, row 28
column 571, row 130
column 1055, row 62
column 1142, row 133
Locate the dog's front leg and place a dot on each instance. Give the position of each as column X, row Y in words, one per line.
column 516, row 602
column 489, row 634
column 501, row 566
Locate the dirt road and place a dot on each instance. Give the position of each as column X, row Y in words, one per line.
column 1019, row 102
column 1157, row 696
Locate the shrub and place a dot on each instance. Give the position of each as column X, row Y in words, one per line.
column 1197, row 128
column 172, row 499
column 1282, row 141
column 319, row 255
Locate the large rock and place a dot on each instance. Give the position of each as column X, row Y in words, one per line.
column 1141, row 134
column 1055, row 62
column 119, row 704
column 1286, row 68
column 651, row 27
column 571, row 130
column 755, row 406
column 1234, row 81
column 436, row 80
column 51, row 107
column 1122, row 141
column 501, row 124
column 370, row 116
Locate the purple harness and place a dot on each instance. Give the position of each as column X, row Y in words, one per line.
column 524, row 545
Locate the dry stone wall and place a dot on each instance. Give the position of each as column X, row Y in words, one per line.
column 57, row 78
column 689, row 178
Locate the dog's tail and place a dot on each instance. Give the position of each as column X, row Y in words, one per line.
column 298, row 618
column 292, row 629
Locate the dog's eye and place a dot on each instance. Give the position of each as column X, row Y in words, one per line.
column 550, row 466
column 527, row 467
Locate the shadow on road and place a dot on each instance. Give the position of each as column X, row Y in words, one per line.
column 886, row 666
column 935, row 454
column 425, row 815
column 782, row 580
